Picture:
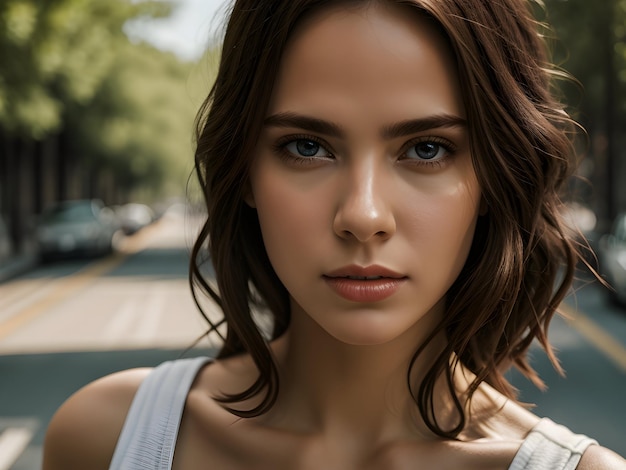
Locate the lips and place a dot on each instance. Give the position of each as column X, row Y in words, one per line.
column 364, row 284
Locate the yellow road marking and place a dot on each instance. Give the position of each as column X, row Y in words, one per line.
column 602, row 340
column 69, row 285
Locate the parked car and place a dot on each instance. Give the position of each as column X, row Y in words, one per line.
column 612, row 258
column 133, row 217
column 76, row 227
column 5, row 240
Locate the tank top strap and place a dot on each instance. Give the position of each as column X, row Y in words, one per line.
column 550, row 446
column 149, row 434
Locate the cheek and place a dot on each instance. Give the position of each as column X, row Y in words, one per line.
column 442, row 227
column 290, row 222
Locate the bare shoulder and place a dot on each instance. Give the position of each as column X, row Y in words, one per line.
column 84, row 431
column 497, row 417
column 601, row 458
column 518, row 421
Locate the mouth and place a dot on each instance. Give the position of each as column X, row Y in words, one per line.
column 364, row 284
column 360, row 278
column 364, row 273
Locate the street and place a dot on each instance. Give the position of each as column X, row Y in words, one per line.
column 65, row 324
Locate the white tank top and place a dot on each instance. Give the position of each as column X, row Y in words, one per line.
column 149, row 434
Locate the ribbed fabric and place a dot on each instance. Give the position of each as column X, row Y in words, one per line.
column 148, row 437
column 550, row 446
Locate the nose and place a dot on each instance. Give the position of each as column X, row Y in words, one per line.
column 363, row 212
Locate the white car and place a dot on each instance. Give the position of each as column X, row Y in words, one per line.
column 76, row 227
column 612, row 258
column 133, row 217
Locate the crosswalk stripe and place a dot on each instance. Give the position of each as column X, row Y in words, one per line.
column 152, row 311
column 66, row 286
column 13, row 441
column 121, row 322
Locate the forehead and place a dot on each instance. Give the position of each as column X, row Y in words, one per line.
column 379, row 54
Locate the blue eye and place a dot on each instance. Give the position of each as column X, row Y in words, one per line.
column 427, row 150
column 306, row 148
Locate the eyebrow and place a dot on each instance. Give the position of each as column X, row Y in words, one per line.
column 413, row 126
column 399, row 129
column 304, row 122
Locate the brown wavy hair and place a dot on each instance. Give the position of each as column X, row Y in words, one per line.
column 522, row 260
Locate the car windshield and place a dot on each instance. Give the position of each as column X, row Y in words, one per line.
column 69, row 213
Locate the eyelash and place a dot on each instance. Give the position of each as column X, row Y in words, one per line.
column 281, row 149
column 283, row 153
column 445, row 144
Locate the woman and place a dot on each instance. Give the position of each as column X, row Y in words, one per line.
column 383, row 177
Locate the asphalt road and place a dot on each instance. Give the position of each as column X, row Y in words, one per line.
column 65, row 324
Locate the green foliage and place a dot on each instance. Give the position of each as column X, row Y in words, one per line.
column 591, row 46
column 57, row 52
column 141, row 120
column 588, row 33
column 68, row 69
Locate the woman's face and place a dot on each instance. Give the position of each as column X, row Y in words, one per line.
column 366, row 195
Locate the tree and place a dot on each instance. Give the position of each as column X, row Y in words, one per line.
column 591, row 46
column 56, row 52
column 140, row 123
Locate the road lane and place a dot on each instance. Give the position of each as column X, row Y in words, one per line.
column 139, row 299
column 40, row 383
column 62, row 288
column 15, row 436
column 591, row 348
column 599, row 338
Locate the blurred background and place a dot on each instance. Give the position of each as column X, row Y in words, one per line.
column 97, row 100
column 98, row 209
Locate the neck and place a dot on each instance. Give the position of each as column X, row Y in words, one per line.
column 331, row 387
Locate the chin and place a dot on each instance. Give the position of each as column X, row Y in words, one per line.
column 368, row 331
